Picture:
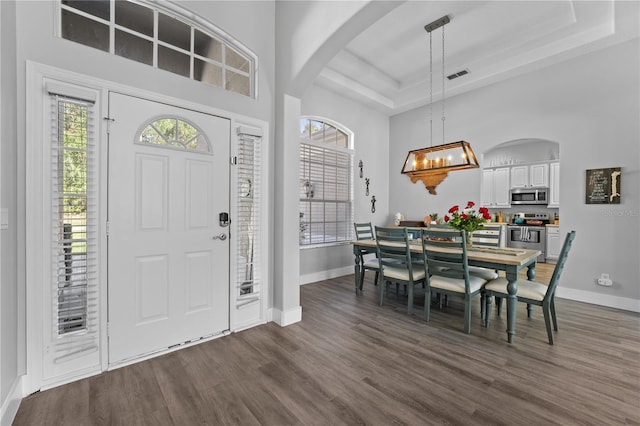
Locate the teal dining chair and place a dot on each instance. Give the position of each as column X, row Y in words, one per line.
column 447, row 270
column 396, row 264
column 486, row 238
column 534, row 293
column 368, row 260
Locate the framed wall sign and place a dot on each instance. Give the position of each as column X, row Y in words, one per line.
column 603, row 186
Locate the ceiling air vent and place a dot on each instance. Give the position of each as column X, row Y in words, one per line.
column 457, row 74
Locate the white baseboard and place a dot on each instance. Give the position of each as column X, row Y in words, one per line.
column 288, row 317
column 325, row 275
column 11, row 404
column 594, row 298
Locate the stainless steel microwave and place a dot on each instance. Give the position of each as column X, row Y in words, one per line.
column 520, row 196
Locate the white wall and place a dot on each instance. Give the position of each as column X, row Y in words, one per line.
column 301, row 53
column 11, row 340
column 371, row 140
column 590, row 105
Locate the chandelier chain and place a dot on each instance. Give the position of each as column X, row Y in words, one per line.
column 431, row 87
column 443, row 84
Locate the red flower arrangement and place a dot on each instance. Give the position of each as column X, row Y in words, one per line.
column 468, row 219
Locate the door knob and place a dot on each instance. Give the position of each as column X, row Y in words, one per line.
column 222, row 237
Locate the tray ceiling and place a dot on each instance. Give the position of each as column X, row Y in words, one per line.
column 387, row 65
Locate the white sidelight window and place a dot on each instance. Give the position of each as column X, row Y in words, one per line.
column 74, row 227
column 74, row 208
column 249, row 212
column 326, row 183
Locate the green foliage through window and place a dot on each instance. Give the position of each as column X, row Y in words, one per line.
column 175, row 133
column 74, row 157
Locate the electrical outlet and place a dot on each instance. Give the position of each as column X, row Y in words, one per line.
column 604, row 280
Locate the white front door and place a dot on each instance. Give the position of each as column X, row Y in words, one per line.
column 168, row 267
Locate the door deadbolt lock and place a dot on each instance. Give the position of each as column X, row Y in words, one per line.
column 224, row 219
column 222, row 237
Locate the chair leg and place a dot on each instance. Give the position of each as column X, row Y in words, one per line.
column 498, row 305
column 487, row 309
column 444, row 300
column 375, row 281
column 546, row 310
column 529, row 310
column 381, row 289
column 467, row 315
column 427, row 304
column 553, row 313
column 410, row 299
column 482, row 307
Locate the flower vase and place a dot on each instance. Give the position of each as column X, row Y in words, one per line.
column 469, row 240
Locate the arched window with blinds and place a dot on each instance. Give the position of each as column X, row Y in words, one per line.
column 326, row 183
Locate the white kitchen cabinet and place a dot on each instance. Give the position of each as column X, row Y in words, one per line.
column 527, row 176
column 495, row 187
column 520, row 176
column 554, row 243
column 539, row 175
column 554, row 185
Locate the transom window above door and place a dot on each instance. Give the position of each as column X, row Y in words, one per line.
column 173, row 132
column 161, row 35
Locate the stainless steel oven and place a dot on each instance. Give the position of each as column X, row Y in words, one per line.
column 528, row 237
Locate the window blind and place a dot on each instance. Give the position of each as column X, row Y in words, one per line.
column 325, row 194
column 74, row 228
column 248, row 190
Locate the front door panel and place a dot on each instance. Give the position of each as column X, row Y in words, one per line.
column 168, row 277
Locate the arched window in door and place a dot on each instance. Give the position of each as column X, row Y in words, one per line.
column 173, row 132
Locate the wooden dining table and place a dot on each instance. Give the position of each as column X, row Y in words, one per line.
column 509, row 260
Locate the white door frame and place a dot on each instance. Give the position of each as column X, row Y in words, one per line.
column 36, row 226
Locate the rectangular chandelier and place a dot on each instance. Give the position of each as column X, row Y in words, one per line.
column 431, row 165
column 450, row 156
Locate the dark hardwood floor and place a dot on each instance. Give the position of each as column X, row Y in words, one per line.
column 351, row 361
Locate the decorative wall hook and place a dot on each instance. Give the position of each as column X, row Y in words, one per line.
column 308, row 189
column 366, row 181
column 361, row 166
column 373, row 204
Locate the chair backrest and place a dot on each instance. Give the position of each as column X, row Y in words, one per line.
column 445, row 227
column 439, row 226
column 445, row 253
column 489, row 237
column 562, row 259
column 393, row 248
column 364, row 231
